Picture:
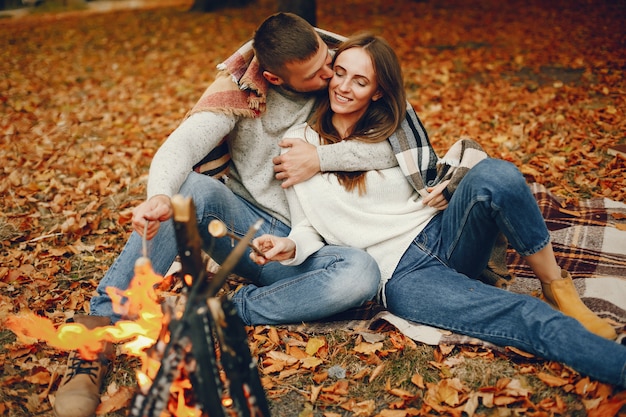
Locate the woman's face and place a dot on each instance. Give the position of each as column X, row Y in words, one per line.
column 353, row 85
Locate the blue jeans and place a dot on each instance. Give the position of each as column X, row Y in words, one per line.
column 333, row 280
column 435, row 284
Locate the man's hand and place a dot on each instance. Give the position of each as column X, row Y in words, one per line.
column 153, row 212
column 297, row 165
column 274, row 248
column 435, row 198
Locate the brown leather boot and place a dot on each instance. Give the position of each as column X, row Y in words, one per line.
column 79, row 392
column 562, row 295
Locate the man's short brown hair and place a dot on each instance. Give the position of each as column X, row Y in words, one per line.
column 284, row 38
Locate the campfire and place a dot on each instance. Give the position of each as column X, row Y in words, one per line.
column 195, row 359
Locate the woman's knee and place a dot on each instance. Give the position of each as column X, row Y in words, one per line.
column 498, row 175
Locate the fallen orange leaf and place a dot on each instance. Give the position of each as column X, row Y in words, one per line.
column 551, row 380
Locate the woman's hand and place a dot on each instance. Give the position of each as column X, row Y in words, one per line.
column 435, row 197
column 297, row 165
column 152, row 212
column 274, row 248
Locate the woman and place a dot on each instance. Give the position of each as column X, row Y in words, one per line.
column 429, row 250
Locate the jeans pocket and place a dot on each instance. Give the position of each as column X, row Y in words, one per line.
column 429, row 238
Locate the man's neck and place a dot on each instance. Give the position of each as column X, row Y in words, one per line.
column 288, row 92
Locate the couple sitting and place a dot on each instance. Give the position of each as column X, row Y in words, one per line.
column 314, row 140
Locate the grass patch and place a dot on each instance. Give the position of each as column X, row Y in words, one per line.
column 55, row 6
column 8, row 230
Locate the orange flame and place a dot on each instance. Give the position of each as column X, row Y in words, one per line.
column 140, row 330
column 139, row 302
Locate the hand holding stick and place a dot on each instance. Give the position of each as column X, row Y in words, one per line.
column 217, row 228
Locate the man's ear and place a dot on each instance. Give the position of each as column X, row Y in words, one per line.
column 272, row 78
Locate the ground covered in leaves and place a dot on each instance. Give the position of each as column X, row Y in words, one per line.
column 86, row 99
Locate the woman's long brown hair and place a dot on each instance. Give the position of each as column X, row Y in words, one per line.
column 382, row 117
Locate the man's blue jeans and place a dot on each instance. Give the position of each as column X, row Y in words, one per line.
column 333, row 280
column 435, row 284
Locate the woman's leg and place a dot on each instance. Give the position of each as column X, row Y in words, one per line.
column 559, row 291
column 492, row 197
column 424, row 289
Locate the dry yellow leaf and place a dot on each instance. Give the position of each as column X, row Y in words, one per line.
column 283, row 357
column 314, row 344
column 364, row 408
column 368, row 348
column 418, row 380
column 311, row 362
column 376, row 372
column 315, row 392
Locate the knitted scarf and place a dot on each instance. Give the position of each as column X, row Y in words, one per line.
column 239, row 87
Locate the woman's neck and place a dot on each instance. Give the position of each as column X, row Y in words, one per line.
column 343, row 124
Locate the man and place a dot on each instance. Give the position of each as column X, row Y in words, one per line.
column 293, row 61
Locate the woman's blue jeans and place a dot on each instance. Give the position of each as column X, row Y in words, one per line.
column 435, row 284
column 333, row 280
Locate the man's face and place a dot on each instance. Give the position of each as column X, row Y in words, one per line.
column 312, row 74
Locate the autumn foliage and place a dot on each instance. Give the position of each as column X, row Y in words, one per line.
column 87, row 98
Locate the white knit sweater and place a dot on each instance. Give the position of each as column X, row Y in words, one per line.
column 253, row 144
column 383, row 221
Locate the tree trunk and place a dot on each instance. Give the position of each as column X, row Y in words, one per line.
column 205, row 6
column 304, row 8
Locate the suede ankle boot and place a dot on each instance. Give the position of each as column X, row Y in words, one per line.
column 562, row 295
column 79, row 392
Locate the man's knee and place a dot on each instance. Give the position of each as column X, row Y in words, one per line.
column 208, row 194
column 199, row 185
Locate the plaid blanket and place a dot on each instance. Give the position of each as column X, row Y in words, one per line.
column 589, row 241
column 239, row 87
column 419, row 163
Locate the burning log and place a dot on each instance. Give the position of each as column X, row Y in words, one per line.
column 208, row 342
column 195, row 359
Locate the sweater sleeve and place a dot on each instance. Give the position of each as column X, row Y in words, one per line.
column 306, row 238
column 187, row 145
column 354, row 155
column 307, row 241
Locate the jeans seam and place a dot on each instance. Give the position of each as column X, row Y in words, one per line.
column 457, row 237
column 421, row 241
column 514, row 239
column 289, row 282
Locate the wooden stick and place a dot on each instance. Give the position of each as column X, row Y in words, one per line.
column 218, row 229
